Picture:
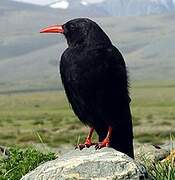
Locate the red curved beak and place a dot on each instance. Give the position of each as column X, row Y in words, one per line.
column 53, row 29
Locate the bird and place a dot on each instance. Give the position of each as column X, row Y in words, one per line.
column 95, row 79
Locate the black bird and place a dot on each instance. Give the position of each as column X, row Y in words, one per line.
column 94, row 76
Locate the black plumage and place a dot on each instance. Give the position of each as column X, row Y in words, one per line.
column 94, row 76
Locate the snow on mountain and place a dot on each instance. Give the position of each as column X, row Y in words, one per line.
column 111, row 7
column 60, row 4
column 88, row 2
column 36, row 2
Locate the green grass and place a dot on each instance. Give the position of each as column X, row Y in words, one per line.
column 160, row 170
column 20, row 162
column 153, row 112
column 28, row 118
column 22, row 115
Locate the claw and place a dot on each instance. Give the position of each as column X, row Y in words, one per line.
column 87, row 144
column 104, row 143
column 80, row 146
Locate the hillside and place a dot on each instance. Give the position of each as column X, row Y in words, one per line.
column 111, row 7
column 29, row 60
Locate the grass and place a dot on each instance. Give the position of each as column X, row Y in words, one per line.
column 153, row 114
column 52, row 118
column 20, row 162
column 28, row 118
column 22, row 115
column 160, row 170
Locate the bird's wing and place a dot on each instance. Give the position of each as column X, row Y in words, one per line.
column 111, row 85
column 113, row 74
column 76, row 95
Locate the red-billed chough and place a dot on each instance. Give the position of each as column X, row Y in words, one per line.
column 94, row 76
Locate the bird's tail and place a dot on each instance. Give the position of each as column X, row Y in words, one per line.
column 123, row 141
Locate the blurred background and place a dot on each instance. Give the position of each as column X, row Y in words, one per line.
column 33, row 106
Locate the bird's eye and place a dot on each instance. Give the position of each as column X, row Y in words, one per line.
column 72, row 27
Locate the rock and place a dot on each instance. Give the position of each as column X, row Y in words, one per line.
column 104, row 164
column 149, row 152
column 169, row 146
column 4, row 153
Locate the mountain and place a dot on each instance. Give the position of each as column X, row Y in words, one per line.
column 137, row 7
column 29, row 60
column 111, row 7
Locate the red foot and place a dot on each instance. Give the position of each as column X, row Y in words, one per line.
column 104, row 143
column 87, row 144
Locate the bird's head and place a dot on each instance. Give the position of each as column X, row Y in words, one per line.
column 80, row 31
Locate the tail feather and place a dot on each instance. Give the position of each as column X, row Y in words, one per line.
column 123, row 142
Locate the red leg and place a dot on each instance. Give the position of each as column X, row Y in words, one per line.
column 88, row 141
column 106, row 141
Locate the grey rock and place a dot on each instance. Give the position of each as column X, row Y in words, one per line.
column 4, row 153
column 104, row 164
column 169, row 146
column 150, row 153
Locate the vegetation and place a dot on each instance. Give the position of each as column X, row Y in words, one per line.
column 20, row 162
column 36, row 117
column 161, row 170
column 23, row 115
